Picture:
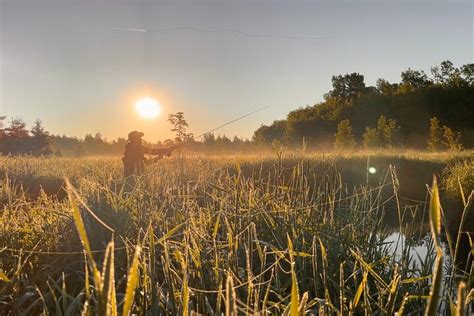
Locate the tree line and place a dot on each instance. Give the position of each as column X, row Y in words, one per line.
column 420, row 111
column 17, row 139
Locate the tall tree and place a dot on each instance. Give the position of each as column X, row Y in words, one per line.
column 40, row 140
column 414, row 79
column 385, row 87
column 16, row 138
column 17, row 129
column 265, row 135
column 467, row 72
column 448, row 75
column 348, row 86
column 180, row 127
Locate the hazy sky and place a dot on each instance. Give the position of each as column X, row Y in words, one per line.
column 66, row 63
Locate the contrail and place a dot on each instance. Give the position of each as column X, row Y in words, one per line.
column 238, row 32
column 129, row 29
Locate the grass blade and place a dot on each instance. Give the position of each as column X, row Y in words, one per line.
column 435, row 291
column 435, row 213
column 294, row 283
column 132, row 282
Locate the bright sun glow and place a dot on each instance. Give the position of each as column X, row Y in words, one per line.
column 147, row 108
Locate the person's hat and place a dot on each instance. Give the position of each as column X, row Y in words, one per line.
column 135, row 135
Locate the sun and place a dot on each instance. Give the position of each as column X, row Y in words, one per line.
column 147, row 108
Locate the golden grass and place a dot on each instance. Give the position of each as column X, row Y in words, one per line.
column 263, row 234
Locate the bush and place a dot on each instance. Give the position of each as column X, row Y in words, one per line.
column 451, row 139
column 461, row 172
column 343, row 137
column 386, row 134
column 443, row 137
column 436, row 135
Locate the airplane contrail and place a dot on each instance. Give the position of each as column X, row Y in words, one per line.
column 238, row 32
column 129, row 29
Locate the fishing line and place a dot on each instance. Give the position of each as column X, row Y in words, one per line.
column 232, row 121
column 220, row 126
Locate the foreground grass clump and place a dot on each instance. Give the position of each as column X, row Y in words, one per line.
column 218, row 236
column 459, row 174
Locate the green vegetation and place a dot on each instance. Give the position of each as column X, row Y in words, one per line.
column 442, row 138
column 459, row 174
column 180, row 127
column 292, row 234
column 412, row 103
column 17, row 140
column 384, row 135
column 344, row 138
column 417, row 113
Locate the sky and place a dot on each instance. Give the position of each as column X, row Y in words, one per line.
column 71, row 64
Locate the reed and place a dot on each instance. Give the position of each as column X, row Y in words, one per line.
column 284, row 235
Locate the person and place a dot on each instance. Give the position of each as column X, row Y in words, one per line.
column 134, row 155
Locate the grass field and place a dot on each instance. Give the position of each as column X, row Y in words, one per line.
column 279, row 233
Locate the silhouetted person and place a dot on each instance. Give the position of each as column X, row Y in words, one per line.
column 134, row 156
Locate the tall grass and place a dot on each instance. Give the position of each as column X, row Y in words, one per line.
column 209, row 236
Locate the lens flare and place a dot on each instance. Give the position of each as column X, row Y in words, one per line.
column 372, row 170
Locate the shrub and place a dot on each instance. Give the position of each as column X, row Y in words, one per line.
column 451, row 139
column 436, row 135
column 343, row 137
column 386, row 134
column 443, row 137
column 459, row 173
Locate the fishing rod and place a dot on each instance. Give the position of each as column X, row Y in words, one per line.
column 232, row 121
column 221, row 126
